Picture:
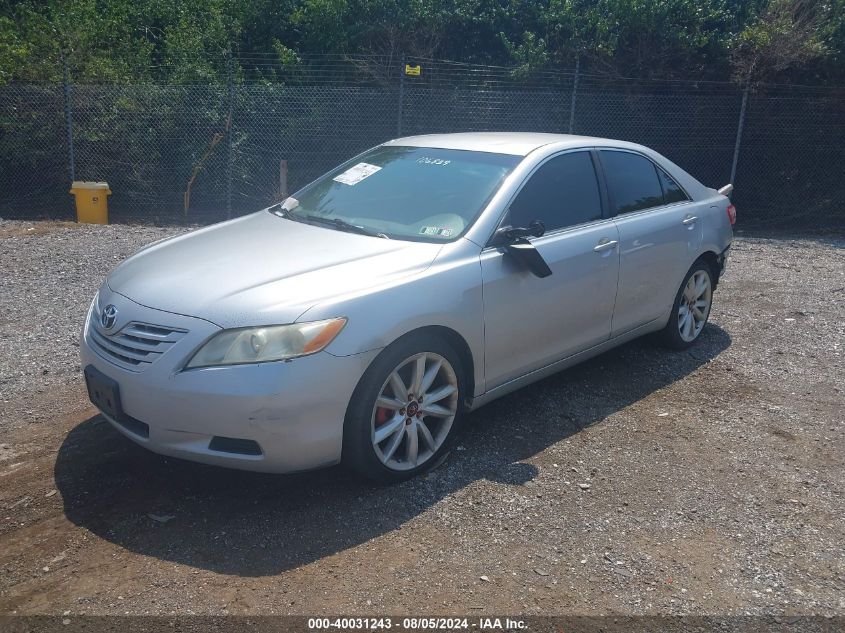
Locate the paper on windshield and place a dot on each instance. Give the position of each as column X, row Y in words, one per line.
column 356, row 174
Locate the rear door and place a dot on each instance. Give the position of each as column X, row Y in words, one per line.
column 531, row 322
column 659, row 237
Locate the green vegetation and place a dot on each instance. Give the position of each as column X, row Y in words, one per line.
column 799, row 41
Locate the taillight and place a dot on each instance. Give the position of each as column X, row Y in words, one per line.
column 731, row 214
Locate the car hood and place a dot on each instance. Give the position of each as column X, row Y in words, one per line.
column 262, row 269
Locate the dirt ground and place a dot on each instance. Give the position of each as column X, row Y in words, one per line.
column 642, row 482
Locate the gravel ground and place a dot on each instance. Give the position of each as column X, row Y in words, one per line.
column 642, row 482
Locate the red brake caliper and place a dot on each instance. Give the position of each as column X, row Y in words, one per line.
column 382, row 415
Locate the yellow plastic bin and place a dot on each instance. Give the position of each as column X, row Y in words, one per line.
column 92, row 203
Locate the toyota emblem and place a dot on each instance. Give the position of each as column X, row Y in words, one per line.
column 109, row 316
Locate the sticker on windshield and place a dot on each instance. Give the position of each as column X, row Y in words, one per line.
column 425, row 160
column 436, row 231
column 356, row 174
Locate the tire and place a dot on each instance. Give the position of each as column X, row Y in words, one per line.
column 398, row 456
column 691, row 308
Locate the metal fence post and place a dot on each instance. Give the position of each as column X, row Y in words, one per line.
column 739, row 134
column 229, row 131
column 68, row 119
column 401, row 96
column 574, row 94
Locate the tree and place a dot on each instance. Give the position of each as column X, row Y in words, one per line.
column 787, row 34
column 185, row 40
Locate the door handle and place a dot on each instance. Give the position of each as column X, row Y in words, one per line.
column 605, row 244
column 689, row 219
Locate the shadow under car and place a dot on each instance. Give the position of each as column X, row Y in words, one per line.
column 253, row 524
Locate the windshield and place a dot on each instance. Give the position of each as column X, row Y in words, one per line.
column 410, row 193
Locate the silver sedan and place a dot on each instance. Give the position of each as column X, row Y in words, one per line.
column 361, row 318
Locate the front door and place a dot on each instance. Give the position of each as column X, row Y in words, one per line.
column 531, row 322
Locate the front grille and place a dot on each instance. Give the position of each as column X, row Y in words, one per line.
column 136, row 345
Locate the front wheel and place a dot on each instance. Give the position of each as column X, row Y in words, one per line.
column 404, row 412
column 691, row 308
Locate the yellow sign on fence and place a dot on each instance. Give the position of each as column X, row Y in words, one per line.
column 412, row 70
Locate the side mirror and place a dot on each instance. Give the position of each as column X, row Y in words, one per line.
column 524, row 252
column 537, row 228
column 516, row 244
column 509, row 234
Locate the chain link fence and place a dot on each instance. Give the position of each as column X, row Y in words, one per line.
column 200, row 153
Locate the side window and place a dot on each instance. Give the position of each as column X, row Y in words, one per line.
column 631, row 181
column 672, row 191
column 563, row 192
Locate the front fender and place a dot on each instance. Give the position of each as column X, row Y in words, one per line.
column 447, row 294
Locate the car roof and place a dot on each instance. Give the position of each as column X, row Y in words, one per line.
column 515, row 143
column 523, row 143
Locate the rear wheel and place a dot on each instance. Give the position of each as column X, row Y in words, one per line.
column 691, row 308
column 404, row 412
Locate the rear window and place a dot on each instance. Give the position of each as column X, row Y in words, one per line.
column 632, row 181
column 672, row 191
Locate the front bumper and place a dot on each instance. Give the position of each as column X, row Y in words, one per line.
column 292, row 410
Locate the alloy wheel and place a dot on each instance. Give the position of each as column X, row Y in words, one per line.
column 694, row 306
column 414, row 411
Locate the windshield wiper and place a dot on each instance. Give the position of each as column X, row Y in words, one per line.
column 342, row 225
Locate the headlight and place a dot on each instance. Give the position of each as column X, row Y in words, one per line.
column 262, row 344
